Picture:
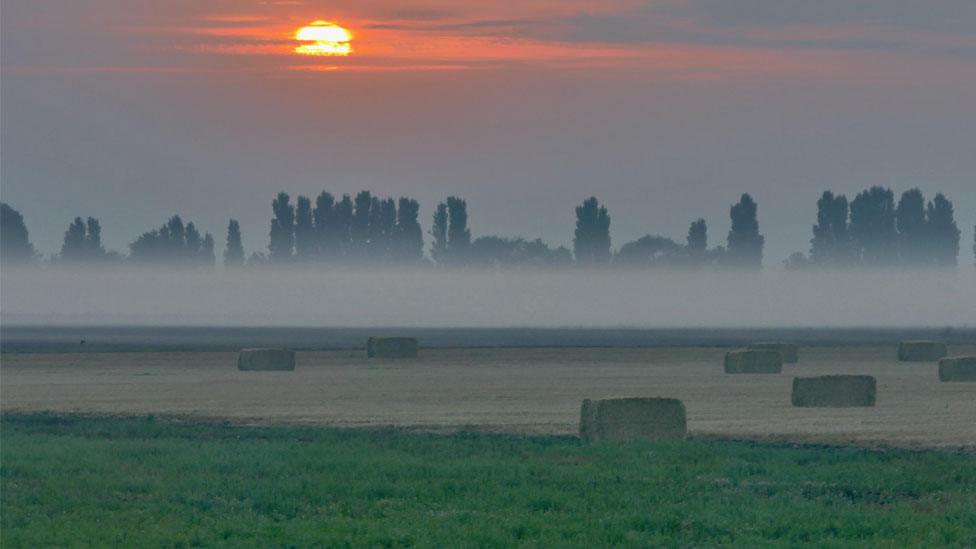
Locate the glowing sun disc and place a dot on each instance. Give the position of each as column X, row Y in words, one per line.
column 323, row 38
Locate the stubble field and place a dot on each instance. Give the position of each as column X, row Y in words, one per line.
column 520, row 391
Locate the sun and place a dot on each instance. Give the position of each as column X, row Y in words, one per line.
column 323, row 38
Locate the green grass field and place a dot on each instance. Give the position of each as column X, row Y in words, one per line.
column 69, row 481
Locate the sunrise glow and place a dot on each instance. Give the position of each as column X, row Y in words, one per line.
column 323, row 38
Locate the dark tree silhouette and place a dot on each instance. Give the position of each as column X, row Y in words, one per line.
column 538, row 253
column 174, row 241
column 83, row 242
column 206, row 254
column 325, row 226
column 305, row 238
column 234, row 250
column 192, row 238
column 649, row 251
column 497, row 252
column 458, row 234
column 873, row 227
column 282, row 233
column 408, row 236
column 375, row 246
column 175, row 244
column 382, row 223
column 796, row 261
column 912, row 229
column 93, row 240
column 359, row 231
column 73, row 245
column 438, row 231
column 492, row 251
column 15, row 244
column 343, row 224
column 745, row 244
column 697, row 241
column 360, row 223
column 831, row 243
column 591, row 241
column 942, row 231
column 387, row 229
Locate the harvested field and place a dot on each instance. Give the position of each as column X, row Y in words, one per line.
column 921, row 351
column 503, row 390
column 265, row 359
column 789, row 352
column 834, row 391
column 392, row 347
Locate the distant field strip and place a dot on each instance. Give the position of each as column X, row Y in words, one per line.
column 535, row 391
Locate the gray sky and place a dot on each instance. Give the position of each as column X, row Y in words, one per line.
column 132, row 110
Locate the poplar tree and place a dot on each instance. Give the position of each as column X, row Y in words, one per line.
column 359, row 230
column 326, row 231
column 234, row 249
column 873, row 230
column 438, row 231
column 831, row 244
column 942, row 231
column 282, row 234
column 745, row 244
column 913, row 240
column 408, row 236
column 343, row 225
column 697, row 238
column 458, row 234
column 591, row 241
column 305, row 237
column 73, row 245
column 93, row 240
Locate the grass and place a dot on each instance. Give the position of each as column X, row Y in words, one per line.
column 72, row 481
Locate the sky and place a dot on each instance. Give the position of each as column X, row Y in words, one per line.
column 133, row 110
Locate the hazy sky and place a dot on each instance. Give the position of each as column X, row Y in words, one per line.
column 132, row 110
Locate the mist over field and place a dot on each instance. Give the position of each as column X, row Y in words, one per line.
column 475, row 298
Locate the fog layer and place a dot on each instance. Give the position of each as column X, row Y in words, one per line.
column 432, row 298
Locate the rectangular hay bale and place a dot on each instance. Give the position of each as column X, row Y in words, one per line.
column 957, row 368
column 787, row 351
column 836, row 391
column 392, row 347
column 626, row 419
column 265, row 359
column 921, row 351
column 753, row 361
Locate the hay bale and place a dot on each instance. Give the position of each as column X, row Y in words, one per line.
column 625, row 419
column 753, row 362
column 265, row 359
column 921, row 351
column 787, row 351
column 391, row 347
column 839, row 391
column 957, row 368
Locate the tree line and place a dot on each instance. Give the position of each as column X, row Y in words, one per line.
column 873, row 230
column 870, row 230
